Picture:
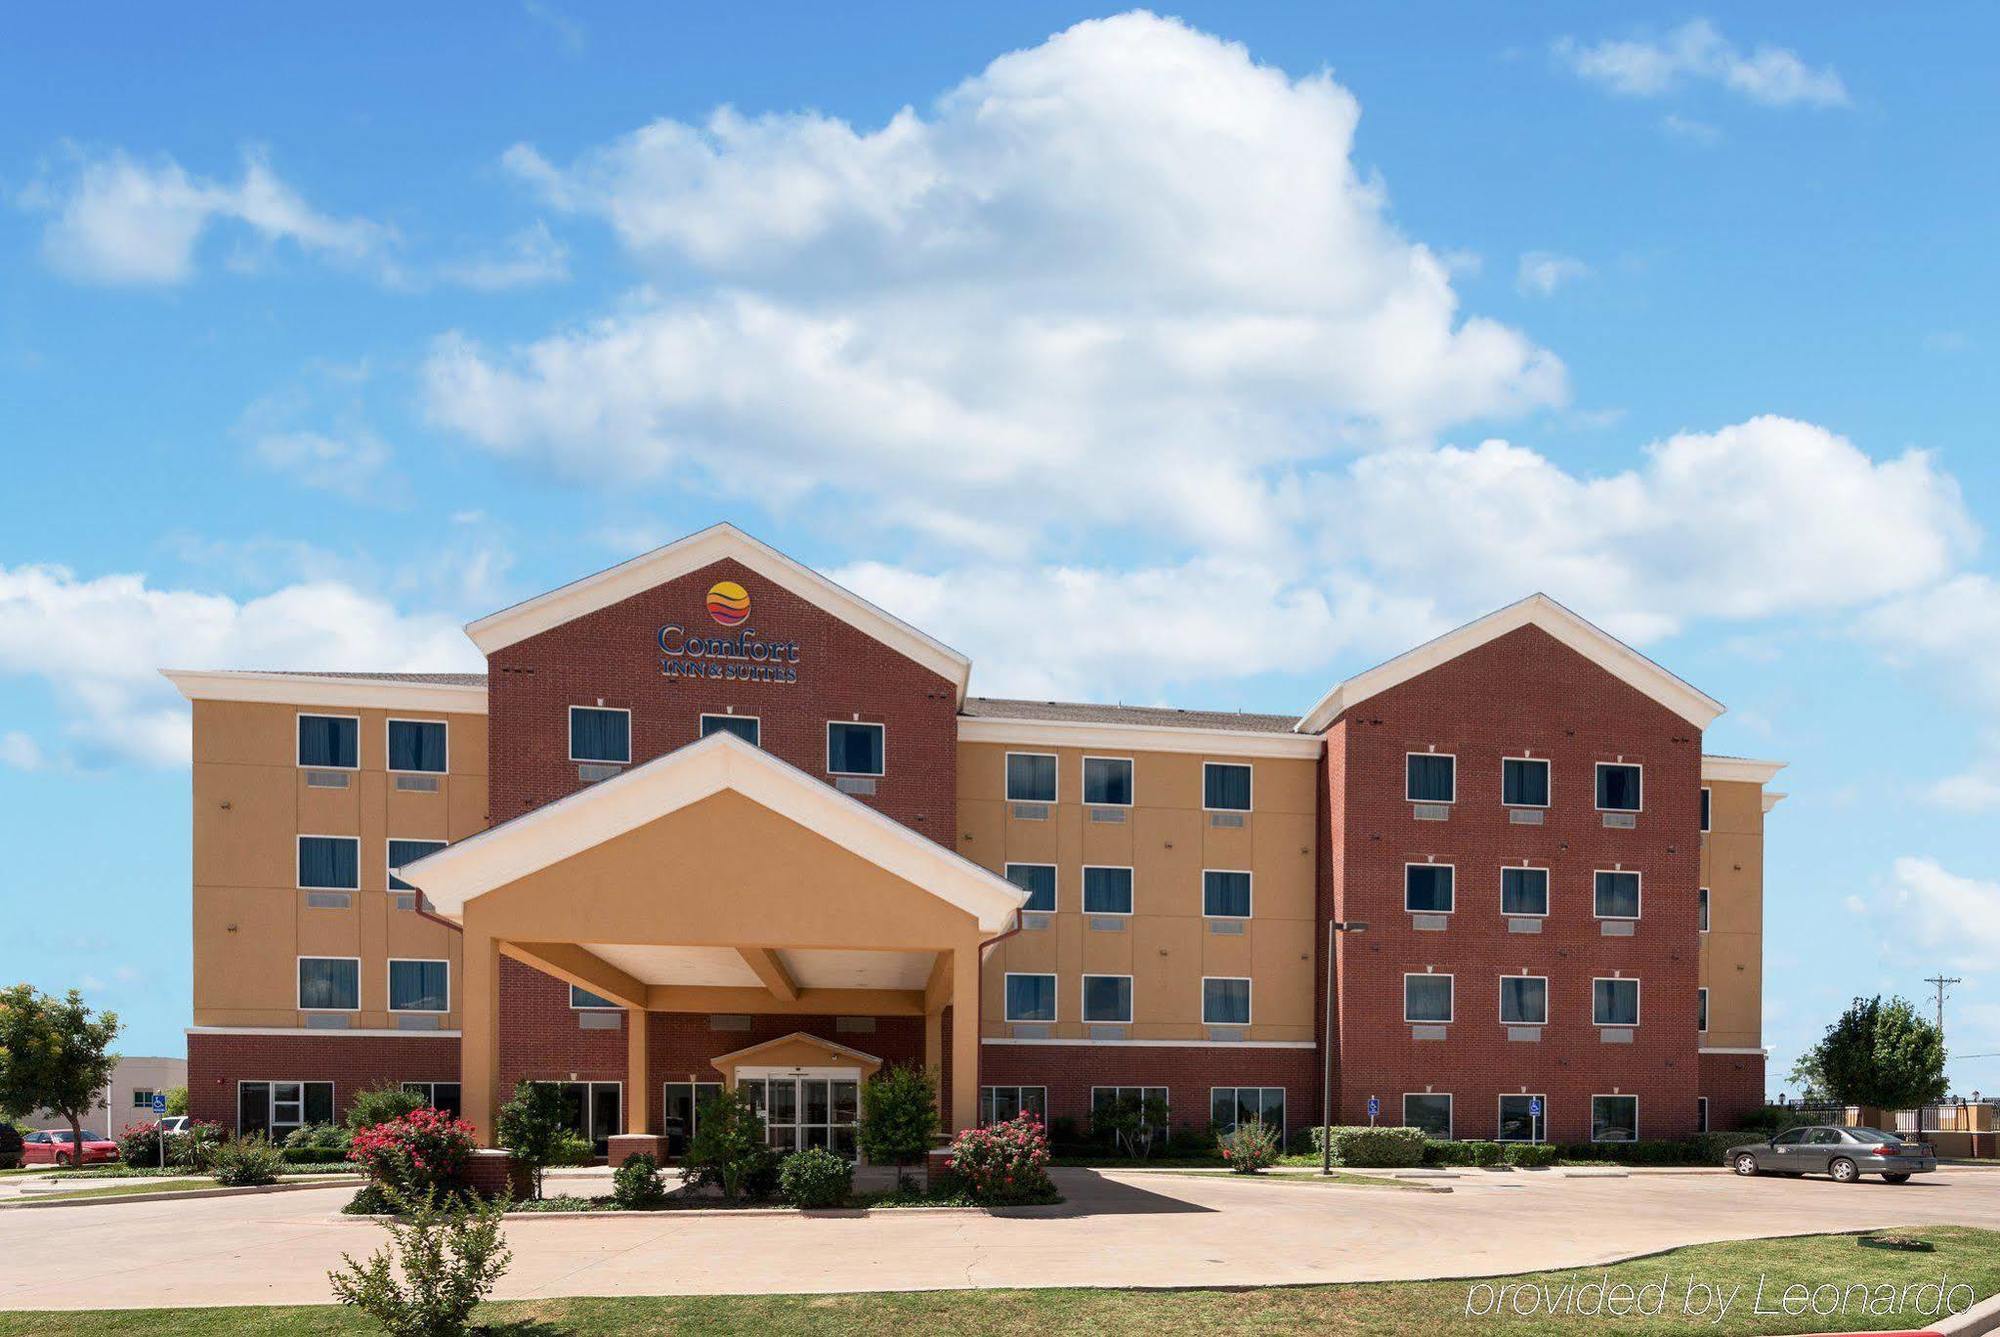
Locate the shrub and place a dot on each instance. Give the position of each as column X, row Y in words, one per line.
column 247, row 1161
column 318, row 1137
column 1373, row 1147
column 379, row 1104
column 177, row 1100
column 899, row 1116
column 195, row 1146
column 1249, row 1147
column 534, row 1126
column 815, row 1177
column 1129, row 1125
column 1465, row 1151
column 312, row 1156
column 1771, row 1120
column 1007, row 1162
column 422, row 1150
column 139, row 1145
column 636, row 1185
column 728, row 1150
column 450, row 1254
column 1527, row 1154
column 573, row 1149
column 10, row 1145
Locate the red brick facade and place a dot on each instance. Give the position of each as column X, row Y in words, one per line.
column 216, row 1063
column 1734, row 1085
column 1070, row 1071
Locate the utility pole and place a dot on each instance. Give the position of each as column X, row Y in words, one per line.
column 1942, row 983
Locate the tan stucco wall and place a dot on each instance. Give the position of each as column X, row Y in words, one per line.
column 1732, row 951
column 1167, row 840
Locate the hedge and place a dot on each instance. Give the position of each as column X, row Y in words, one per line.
column 1402, row 1148
column 1376, row 1148
column 1466, row 1151
column 313, row 1156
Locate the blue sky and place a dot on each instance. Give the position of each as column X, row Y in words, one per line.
column 1200, row 360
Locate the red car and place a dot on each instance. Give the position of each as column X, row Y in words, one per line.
column 53, row 1148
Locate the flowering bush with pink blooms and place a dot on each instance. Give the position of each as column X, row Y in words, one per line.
column 1007, row 1162
column 1250, row 1147
column 423, row 1149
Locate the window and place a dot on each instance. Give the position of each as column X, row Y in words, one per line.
column 1524, row 782
column 853, row 749
column 680, row 1107
column 583, row 1000
column 1107, row 891
column 419, row 986
column 1701, row 1114
column 1231, row 1106
column 276, row 1109
column 1107, row 998
column 1616, row 895
column 1524, row 891
column 1704, row 807
column 1703, row 902
column 403, row 852
column 1430, row 1111
column 1614, row 1118
column 1225, row 786
column 998, row 1104
column 330, row 742
column 591, row 1110
column 1618, row 787
column 329, row 984
column 1427, row 888
column 1426, row 998
column 1225, row 1002
column 1031, row 777
column 1524, row 1000
column 1116, row 1104
column 1031, row 998
column 1432, row 777
column 1225, row 894
column 1039, row 880
column 142, row 1097
column 1701, row 1010
column 330, row 863
column 1614, row 1002
column 417, row 745
column 1107, row 782
column 440, row 1096
column 1523, row 1119
column 601, row 734
column 745, row 727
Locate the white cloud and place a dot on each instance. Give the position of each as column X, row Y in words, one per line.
column 1542, row 272
column 1953, row 627
column 530, row 256
column 1690, row 130
column 1698, row 52
column 352, row 466
column 1941, row 917
column 19, row 752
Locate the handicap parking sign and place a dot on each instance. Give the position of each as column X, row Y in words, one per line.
column 1374, row 1106
column 1535, row 1107
column 159, row 1102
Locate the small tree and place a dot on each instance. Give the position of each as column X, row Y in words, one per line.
column 1882, row 1054
column 54, row 1055
column 177, row 1100
column 381, row 1103
column 729, row 1149
column 899, row 1117
column 534, row 1126
column 1132, row 1125
column 451, row 1256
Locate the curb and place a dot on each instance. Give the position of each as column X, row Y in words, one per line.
column 1982, row 1318
column 182, row 1195
column 823, row 1213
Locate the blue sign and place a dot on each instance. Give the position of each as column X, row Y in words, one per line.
column 1535, row 1107
column 1374, row 1107
column 159, row 1102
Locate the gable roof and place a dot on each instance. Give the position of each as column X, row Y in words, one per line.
column 795, row 1037
column 1537, row 610
column 498, row 630
column 610, row 808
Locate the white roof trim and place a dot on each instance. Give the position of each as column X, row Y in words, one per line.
column 306, row 689
column 457, row 873
column 310, row 1033
column 822, row 1042
column 1772, row 798
column 1740, row 768
column 1137, row 737
column 499, row 630
column 1592, row 642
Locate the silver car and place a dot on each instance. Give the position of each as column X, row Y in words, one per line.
column 1844, row 1153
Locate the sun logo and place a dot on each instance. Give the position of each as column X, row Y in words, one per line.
column 728, row 602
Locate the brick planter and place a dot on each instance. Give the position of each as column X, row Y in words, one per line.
column 635, row 1144
column 493, row 1171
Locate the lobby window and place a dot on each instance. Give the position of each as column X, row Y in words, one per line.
column 1614, row 1118
column 1701, row 1010
column 1431, row 777
column 1225, row 786
column 329, row 863
column 403, row 852
column 1614, row 1002
column 600, row 734
column 329, row 984
column 1107, row 891
column 1039, row 881
column 1620, row 787
column 998, row 1104
column 1229, row 1107
column 745, row 727
column 1524, row 782
column 1031, row 998
column 440, row 1096
column 330, row 742
column 419, row 986
column 1523, row 1119
column 1031, row 777
column 1225, row 894
column 1524, row 891
column 1524, row 1000
column 1225, row 1002
column 1427, row 888
column 1107, row 998
column 1427, row 998
column 276, row 1109
column 583, row 1000
column 1704, row 807
column 1107, row 782
column 853, row 748
column 418, row 745
column 1430, row 1111
column 1615, row 894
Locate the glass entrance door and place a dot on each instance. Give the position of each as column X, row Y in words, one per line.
column 801, row 1111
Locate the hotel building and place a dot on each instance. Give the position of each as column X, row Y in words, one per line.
column 709, row 819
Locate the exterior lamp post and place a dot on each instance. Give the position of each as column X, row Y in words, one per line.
column 1333, row 926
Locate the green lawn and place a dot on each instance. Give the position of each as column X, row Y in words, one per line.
column 126, row 1188
column 1963, row 1255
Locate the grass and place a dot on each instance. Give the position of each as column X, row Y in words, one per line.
column 1959, row 1253
column 129, row 1187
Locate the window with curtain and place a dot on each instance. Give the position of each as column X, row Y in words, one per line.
column 1107, row 782
column 600, row 734
column 1524, row 1000
column 1524, row 891
column 1225, row 1002
column 1039, row 881
column 330, row 742
column 417, row 745
column 329, row 984
column 1619, row 787
column 1225, row 786
column 1225, row 894
column 1031, row 777
column 1107, row 998
column 1433, row 778
column 1426, row 998
column 1701, row 1010
column 1427, row 888
column 419, row 986
column 1107, row 891
column 403, row 852
column 330, row 863
column 1704, row 807
column 1428, row 1110
column 1614, row 1002
column 853, row 749
column 1524, row 782
column 1031, row 998
column 1617, row 895
column 1704, row 909
column 743, row 726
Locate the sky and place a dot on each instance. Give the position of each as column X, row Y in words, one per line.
column 1199, row 358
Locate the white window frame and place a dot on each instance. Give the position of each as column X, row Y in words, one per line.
column 1450, row 1111
column 394, row 720
column 1006, row 997
column 1083, row 888
column 1413, row 863
column 826, row 752
column 1056, row 894
column 569, row 743
column 1701, row 1010
column 1454, row 777
column 271, row 1085
column 1703, row 906
column 1638, row 1001
column 142, row 1098
column 389, row 869
column 1707, row 808
column 1005, row 761
column 575, row 1006
column 298, row 852
column 1234, row 765
column 1639, row 908
column 1499, row 1116
column 1283, row 1127
column 1548, row 769
column 298, row 715
column 1634, row 765
column 1083, row 999
column 1251, row 913
column 1548, row 890
column 1083, row 788
column 1250, row 997
column 701, row 722
column 1016, row 1088
column 1452, row 1014
column 389, row 984
column 1500, row 1003
column 299, row 983
column 1596, row 1096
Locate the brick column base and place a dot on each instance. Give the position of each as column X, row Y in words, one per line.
column 492, row 1171
column 622, row 1145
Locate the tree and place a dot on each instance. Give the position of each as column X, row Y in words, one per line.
column 177, row 1100
column 534, row 1125
column 54, row 1055
column 899, row 1117
column 1881, row 1054
column 729, row 1149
